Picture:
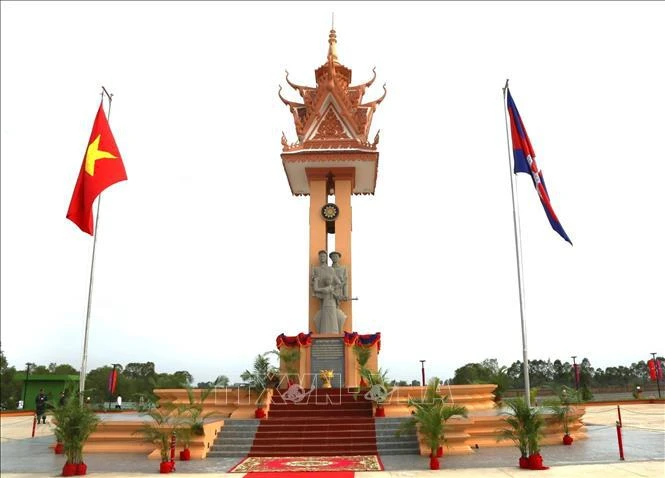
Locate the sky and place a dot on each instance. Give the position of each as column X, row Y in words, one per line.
column 202, row 255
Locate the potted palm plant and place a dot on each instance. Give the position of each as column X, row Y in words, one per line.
column 184, row 436
column 289, row 356
column 515, row 430
column 363, row 355
column 159, row 432
column 534, row 435
column 430, row 415
column 257, row 380
column 562, row 408
column 524, row 427
column 379, row 388
column 74, row 421
column 191, row 417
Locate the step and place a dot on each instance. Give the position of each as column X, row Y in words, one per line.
column 244, row 441
column 322, row 451
column 310, row 441
column 322, row 405
column 399, row 451
column 318, row 421
column 235, row 438
column 387, row 441
column 241, row 424
column 314, row 434
column 307, row 414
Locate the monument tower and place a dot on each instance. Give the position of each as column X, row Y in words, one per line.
column 331, row 158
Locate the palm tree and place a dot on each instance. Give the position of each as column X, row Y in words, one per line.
column 363, row 355
column 75, row 421
column 288, row 356
column 258, row 380
column 191, row 416
column 524, row 428
column 561, row 408
column 430, row 415
column 160, row 430
column 379, row 388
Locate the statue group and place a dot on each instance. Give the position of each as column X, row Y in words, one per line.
column 329, row 285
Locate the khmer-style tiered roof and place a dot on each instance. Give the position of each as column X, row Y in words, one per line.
column 332, row 124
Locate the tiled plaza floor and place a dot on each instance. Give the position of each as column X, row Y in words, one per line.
column 643, row 438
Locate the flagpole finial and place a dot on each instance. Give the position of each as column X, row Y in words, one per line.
column 108, row 95
column 506, row 87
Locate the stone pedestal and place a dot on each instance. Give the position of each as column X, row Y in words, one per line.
column 327, row 353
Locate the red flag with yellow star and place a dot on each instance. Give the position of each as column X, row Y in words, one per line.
column 102, row 166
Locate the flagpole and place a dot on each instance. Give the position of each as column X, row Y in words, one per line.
column 84, row 360
column 518, row 254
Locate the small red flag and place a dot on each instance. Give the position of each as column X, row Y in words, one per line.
column 102, row 166
column 653, row 373
column 113, row 380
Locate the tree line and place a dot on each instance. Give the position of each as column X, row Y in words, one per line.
column 136, row 381
column 548, row 373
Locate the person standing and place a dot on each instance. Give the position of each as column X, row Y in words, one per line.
column 40, row 405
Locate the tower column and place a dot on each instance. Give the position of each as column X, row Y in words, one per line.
column 318, row 238
column 343, row 191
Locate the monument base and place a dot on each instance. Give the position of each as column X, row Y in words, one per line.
column 318, row 352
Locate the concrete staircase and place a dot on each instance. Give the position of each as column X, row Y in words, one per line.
column 235, row 438
column 332, row 422
column 329, row 422
column 387, row 441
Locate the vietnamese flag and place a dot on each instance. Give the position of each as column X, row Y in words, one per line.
column 102, row 166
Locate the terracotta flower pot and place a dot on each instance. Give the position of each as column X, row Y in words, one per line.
column 259, row 413
column 81, row 469
column 380, row 411
column 69, row 469
column 567, row 440
column 524, row 463
column 433, row 463
column 165, row 467
column 59, row 448
column 439, row 451
column 185, row 455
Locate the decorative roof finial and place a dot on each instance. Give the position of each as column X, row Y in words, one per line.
column 332, row 42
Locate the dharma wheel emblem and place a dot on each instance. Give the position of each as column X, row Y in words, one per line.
column 330, row 212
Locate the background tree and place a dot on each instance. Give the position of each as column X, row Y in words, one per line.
column 179, row 379
column 222, row 381
column 96, row 384
column 65, row 369
column 10, row 388
column 138, row 378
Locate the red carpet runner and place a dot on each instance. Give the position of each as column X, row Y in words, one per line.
column 303, row 474
column 328, row 422
column 324, row 464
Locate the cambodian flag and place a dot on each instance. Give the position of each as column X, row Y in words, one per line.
column 525, row 162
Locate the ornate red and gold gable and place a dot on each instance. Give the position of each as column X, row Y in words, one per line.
column 332, row 124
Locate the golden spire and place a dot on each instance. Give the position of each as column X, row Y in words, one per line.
column 332, row 42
